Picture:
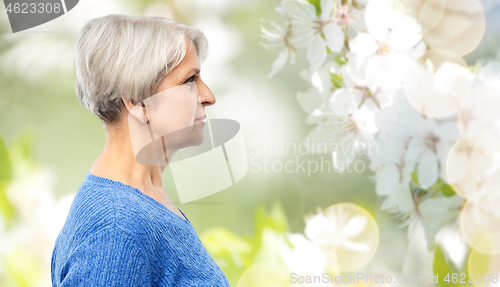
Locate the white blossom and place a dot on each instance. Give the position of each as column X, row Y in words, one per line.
column 318, row 32
column 391, row 34
column 432, row 127
column 276, row 36
column 326, row 234
column 336, row 229
column 438, row 94
column 306, row 257
column 434, row 213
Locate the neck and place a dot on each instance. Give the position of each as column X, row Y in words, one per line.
column 117, row 162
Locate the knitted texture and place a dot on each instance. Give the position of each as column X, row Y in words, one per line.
column 115, row 235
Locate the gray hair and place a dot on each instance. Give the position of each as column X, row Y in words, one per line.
column 120, row 54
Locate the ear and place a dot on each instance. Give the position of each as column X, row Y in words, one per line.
column 135, row 110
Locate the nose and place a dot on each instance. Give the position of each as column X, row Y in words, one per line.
column 207, row 98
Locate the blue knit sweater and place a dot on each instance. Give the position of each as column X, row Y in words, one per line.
column 115, row 235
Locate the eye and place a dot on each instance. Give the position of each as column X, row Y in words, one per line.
column 190, row 79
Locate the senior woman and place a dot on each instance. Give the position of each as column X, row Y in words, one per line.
column 122, row 228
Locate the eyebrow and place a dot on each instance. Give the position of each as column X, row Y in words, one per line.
column 194, row 71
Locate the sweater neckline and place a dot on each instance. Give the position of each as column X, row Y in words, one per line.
column 110, row 182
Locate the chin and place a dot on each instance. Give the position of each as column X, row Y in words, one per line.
column 198, row 135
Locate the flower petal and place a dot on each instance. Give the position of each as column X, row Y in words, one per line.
column 388, row 71
column 300, row 10
column 316, row 53
column 377, row 21
column 436, row 212
column 355, row 246
column 305, row 257
column 415, row 149
column 280, row 62
column 400, row 200
column 334, row 37
column 326, row 9
column 405, row 32
column 387, row 180
column 363, row 45
column 427, row 169
column 316, row 226
column 354, row 226
column 341, row 102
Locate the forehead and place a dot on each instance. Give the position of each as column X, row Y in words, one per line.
column 185, row 69
column 189, row 61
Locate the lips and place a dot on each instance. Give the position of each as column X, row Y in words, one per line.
column 200, row 119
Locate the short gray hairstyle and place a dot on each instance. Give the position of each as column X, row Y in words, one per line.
column 129, row 55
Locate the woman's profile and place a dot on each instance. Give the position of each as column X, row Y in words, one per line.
column 122, row 229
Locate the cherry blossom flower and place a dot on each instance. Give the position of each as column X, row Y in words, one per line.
column 306, row 257
column 326, row 233
column 434, row 213
column 325, row 30
column 470, row 162
column 336, row 230
column 397, row 125
column 429, row 147
column 391, row 34
column 277, row 36
column 438, row 94
column 356, row 92
column 379, row 91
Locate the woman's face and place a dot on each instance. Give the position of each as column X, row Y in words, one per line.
column 177, row 111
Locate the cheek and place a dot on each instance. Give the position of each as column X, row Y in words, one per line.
column 174, row 112
column 183, row 111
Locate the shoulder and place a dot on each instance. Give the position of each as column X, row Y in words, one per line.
column 99, row 208
column 101, row 216
column 109, row 256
